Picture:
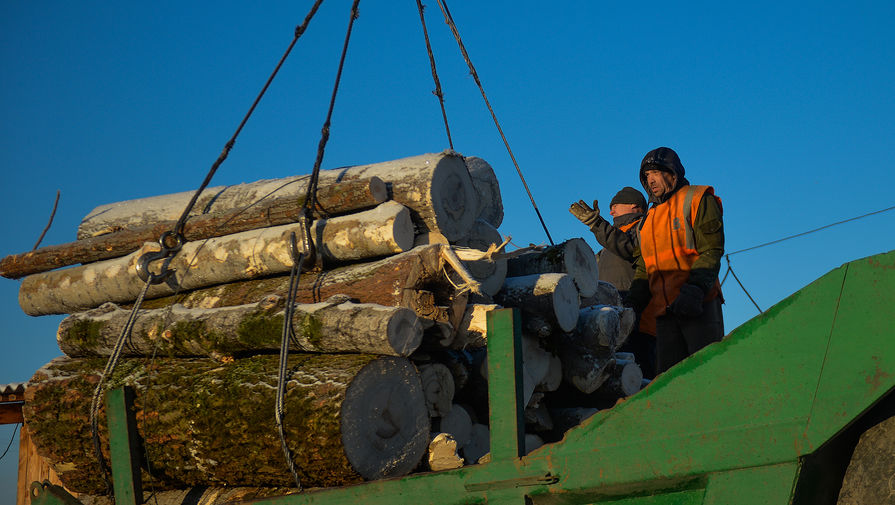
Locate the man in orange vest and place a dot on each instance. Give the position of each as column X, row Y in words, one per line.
column 681, row 244
column 615, row 261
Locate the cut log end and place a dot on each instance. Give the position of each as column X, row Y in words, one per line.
column 405, row 332
column 385, row 423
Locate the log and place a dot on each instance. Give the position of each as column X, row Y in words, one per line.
column 606, row 294
column 333, row 326
column 586, row 369
column 473, row 330
column 438, row 388
column 437, row 188
column 553, row 378
column 537, row 417
column 573, row 257
column 626, row 320
column 567, row 418
column 490, row 203
column 479, row 444
column 458, row 423
column 347, row 418
column 383, row 230
column 443, row 453
column 551, row 295
column 333, row 199
column 491, row 273
column 625, row 379
column 199, row 495
column 598, row 326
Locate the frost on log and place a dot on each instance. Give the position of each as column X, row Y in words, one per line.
column 348, row 418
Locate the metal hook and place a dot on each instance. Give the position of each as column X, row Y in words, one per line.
column 167, row 253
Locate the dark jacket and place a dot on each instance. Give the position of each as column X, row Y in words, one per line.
column 616, row 260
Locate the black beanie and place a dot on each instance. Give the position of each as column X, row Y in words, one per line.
column 629, row 195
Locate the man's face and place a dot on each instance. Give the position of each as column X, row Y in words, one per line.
column 659, row 182
column 620, row 209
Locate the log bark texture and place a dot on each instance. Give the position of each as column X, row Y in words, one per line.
column 586, row 369
column 599, row 326
column 334, row 199
column 552, row 295
column 573, row 257
column 488, row 189
column 437, row 187
column 333, row 326
column 218, row 260
column 348, row 418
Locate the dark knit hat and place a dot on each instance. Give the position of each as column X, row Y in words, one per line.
column 629, row 195
column 664, row 159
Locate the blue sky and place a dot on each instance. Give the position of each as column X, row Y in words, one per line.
column 785, row 108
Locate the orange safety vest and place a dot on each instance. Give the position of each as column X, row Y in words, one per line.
column 668, row 248
column 626, row 227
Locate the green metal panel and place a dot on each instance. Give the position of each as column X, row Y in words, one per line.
column 764, row 485
column 123, row 446
column 504, row 390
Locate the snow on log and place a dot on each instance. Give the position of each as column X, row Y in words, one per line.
column 334, row 326
column 606, row 294
column 384, row 230
column 437, row 187
column 347, row 418
column 488, row 189
column 551, row 295
column 573, row 257
column 334, row 199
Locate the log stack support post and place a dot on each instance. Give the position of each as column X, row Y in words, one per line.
column 124, row 447
column 506, row 422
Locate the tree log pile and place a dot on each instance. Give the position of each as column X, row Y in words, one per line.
column 387, row 369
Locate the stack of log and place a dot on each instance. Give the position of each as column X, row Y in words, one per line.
column 387, row 342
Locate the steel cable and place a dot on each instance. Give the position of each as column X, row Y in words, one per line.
column 437, row 91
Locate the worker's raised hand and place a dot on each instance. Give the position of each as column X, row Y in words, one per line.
column 585, row 213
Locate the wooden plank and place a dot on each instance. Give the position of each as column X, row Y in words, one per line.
column 11, row 413
column 32, row 467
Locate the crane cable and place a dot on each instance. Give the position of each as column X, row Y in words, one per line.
column 169, row 250
column 453, row 26
column 437, row 91
column 299, row 257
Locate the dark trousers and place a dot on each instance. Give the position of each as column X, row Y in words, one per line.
column 643, row 346
column 678, row 337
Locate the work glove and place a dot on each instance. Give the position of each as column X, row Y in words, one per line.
column 688, row 303
column 584, row 213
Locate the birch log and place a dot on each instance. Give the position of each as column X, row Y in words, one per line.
column 625, row 379
column 334, row 199
column 438, row 388
column 383, row 230
column 334, row 326
column 598, row 326
column 490, row 203
column 550, row 295
column 348, row 418
column 584, row 368
column 573, row 257
column 437, row 187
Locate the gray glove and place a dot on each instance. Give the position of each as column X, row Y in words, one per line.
column 584, row 213
column 689, row 302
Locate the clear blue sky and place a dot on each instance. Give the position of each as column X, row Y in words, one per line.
column 787, row 109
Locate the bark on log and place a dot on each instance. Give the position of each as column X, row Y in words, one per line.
column 333, row 326
column 584, row 368
column 488, row 190
column 443, row 453
column 551, row 295
column 598, row 326
column 348, row 418
column 334, row 199
column 438, row 388
column 383, row 230
column 437, row 187
column 573, row 257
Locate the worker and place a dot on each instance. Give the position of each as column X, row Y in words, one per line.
column 615, row 261
column 681, row 243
